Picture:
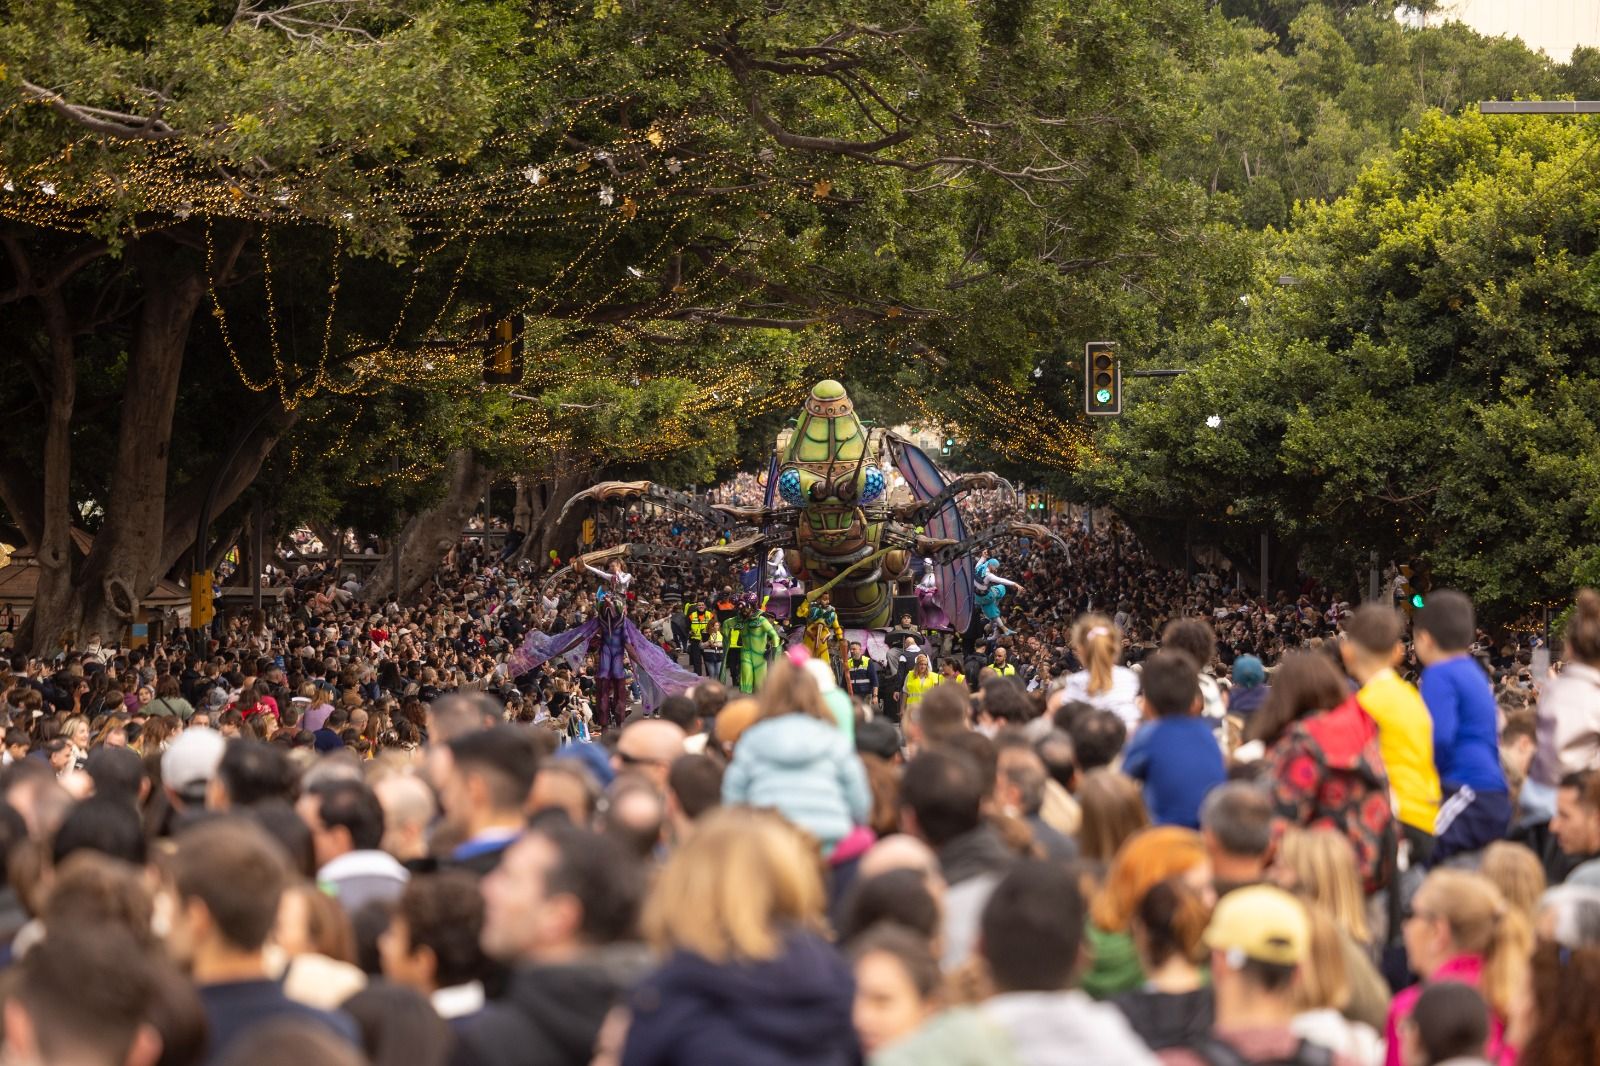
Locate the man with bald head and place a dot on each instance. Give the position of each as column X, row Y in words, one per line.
column 408, row 810
column 648, row 747
column 901, row 851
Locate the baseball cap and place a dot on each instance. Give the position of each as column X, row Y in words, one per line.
column 1260, row 922
column 192, row 759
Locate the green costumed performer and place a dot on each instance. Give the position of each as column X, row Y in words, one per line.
column 758, row 639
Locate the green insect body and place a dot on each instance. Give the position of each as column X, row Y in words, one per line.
column 830, row 467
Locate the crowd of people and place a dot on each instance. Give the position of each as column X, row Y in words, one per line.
column 1155, row 820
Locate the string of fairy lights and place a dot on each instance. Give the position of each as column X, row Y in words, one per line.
column 1012, row 422
column 590, row 196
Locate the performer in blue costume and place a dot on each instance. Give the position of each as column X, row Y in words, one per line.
column 989, row 588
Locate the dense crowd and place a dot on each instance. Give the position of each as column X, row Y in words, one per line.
column 1148, row 818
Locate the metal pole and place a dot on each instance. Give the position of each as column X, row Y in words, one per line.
column 1264, row 598
column 256, row 558
column 1372, row 579
column 1539, row 107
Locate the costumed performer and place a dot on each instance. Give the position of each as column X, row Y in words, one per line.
column 758, row 638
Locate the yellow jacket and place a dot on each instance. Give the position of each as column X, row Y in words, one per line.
column 917, row 687
column 1405, row 735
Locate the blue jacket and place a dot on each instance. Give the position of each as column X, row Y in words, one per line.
column 793, row 1010
column 1466, row 733
column 1247, row 701
column 805, row 769
column 1179, row 762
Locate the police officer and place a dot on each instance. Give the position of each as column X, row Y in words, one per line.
column 863, row 674
column 700, row 619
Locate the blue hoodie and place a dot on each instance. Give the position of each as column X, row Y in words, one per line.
column 1466, row 725
column 805, row 769
column 793, row 1010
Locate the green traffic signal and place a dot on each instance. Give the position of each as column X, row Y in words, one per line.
column 1103, row 396
column 1416, row 600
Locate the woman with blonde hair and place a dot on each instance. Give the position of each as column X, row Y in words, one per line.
column 1322, row 998
column 1517, row 872
column 748, row 977
column 1112, row 806
column 112, row 732
column 1149, row 857
column 75, row 731
column 1103, row 683
column 1319, row 866
column 796, row 760
column 1462, row 929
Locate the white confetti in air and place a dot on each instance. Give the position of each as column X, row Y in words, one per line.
column 1214, row 422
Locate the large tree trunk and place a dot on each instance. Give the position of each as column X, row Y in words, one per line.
column 126, row 561
column 183, row 510
column 428, row 537
column 52, row 612
column 547, row 492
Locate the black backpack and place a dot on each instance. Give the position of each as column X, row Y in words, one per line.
column 1216, row 1052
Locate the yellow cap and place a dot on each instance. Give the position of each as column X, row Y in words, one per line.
column 1261, row 923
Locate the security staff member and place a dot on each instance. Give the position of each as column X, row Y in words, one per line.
column 700, row 619
column 863, row 674
column 1000, row 665
column 731, row 652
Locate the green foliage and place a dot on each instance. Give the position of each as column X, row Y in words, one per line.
column 1429, row 386
column 1299, row 98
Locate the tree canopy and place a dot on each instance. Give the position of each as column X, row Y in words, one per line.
column 253, row 246
column 1426, row 385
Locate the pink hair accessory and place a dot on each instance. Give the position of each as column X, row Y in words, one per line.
column 798, row 655
column 1098, row 631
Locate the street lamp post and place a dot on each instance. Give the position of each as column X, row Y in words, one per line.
column 1539, row 107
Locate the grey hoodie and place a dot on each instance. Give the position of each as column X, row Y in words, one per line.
column 1024, row 1029
column 1066, row 1029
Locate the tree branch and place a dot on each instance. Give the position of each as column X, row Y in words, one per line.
column 98, row 120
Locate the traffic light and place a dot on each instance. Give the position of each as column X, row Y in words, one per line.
column 1102, row 379
column 948, row 446
column 502, row 363
column 1033, row 501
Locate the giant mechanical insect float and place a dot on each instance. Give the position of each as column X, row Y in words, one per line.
column 827, row 509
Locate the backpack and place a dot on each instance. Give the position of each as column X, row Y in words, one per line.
column 1219, row 1053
